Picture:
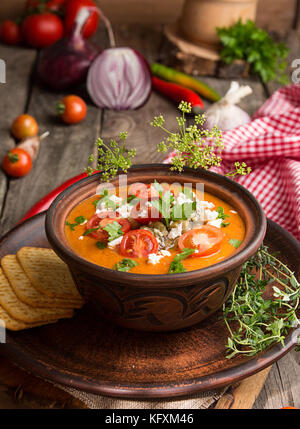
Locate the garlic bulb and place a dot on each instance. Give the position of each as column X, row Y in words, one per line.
column 224, row 113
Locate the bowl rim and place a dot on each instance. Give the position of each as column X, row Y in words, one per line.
column 234, row 261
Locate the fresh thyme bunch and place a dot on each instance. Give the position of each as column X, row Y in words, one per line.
column 194, row 146
column 261, row 321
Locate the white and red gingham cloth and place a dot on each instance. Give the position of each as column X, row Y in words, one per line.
column 270, row 145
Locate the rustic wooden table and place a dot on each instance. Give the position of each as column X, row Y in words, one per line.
column 64, row 154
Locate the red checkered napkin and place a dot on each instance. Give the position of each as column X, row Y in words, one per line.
column 270, row 145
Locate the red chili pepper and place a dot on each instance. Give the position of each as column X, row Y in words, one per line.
column 46, row 201
column 178, row 93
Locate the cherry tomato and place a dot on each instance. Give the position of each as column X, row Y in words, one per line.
column 144, row 214
column 71, row 10
column 138, row 243
column 207, row 240
column 97, row 221
column 72, row 109
column 24, row 126
column 17, row 163
column 143, row 191
column 42, row 29
column 10, row 32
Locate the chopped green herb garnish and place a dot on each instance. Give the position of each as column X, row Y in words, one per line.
column 114, row 230
column 224, row 224
column 221, row 213
column 125, row 265
column 78, row 221
column 176, row 265
column 88, row 231
column 101, row 244
column 71, row 225
column 234, row 242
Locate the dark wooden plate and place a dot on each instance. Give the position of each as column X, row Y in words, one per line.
column 101, row 358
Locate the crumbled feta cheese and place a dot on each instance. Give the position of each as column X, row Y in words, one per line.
column 114, row 243
column 183, row 199
column 165, row 252
column 116, row 199
column 233, row 211
column 81, row 237
column 216, row 222
column 154, row 258
column 101, row 208
column 206, row 204
column 125, row 210
column 211, row 214
column 175, row 232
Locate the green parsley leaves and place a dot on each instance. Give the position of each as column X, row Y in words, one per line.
column 235, row 243
column 176, row 265
column 222, row 215
column 79, row 220
column 114, row 230
column 125, row 265
column 245, row 41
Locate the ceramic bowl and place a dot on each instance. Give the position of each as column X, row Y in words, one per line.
column 158, row 302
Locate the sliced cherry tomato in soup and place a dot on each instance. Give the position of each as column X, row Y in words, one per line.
column 146, row 191
column 138, row 243
column 101, row 221
column 206, row 240
column 143, row 191
column 144, row 213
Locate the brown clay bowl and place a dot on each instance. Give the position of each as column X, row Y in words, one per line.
column 158, row 302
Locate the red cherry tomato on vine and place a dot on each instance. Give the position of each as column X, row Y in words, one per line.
column 41, row 30
column 138, row 243
column 101, row 222
column 10, row 32
column 17, row 163
column 206, row 240
column 71, row 10
column 72, row 109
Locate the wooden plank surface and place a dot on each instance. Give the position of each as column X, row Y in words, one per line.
column 64, row 154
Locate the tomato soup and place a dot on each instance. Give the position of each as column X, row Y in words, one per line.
column 173, row 232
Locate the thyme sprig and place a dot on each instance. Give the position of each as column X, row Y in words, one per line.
column 261, row 321
column 194, row 146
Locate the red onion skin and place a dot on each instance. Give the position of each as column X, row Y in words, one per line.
column 61, row 68
column 117, row 106
column 66, row 63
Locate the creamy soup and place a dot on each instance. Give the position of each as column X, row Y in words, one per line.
column 154, row 230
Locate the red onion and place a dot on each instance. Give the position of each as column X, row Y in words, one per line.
column 119, row 79
column 66, row 63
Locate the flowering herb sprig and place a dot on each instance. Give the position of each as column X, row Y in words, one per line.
column 194, row 146
column 112, row 157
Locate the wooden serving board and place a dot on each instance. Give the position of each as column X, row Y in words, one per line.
column 98, row 357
